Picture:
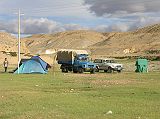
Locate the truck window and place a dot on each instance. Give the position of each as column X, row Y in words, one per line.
column 83, row 58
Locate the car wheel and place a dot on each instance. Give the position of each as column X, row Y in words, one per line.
column 119, row 71
column 105, row 70
column 110, row 70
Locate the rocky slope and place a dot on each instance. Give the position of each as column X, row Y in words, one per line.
column 8, row 43
column 138, row 42
column 9, row 47
column 63, row 40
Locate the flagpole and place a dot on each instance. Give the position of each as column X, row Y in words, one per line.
column 19, row 38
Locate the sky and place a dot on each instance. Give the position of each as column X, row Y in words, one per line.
column 52, row 16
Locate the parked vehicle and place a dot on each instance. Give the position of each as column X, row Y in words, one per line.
column 108, row 65
column 76, row 61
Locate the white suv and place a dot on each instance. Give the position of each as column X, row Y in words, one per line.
column 108, row 65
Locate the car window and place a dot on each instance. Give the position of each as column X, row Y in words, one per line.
column 112, row 61
column 107, row 61
column 97, row 61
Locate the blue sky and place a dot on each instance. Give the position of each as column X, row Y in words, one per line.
column 52, row 16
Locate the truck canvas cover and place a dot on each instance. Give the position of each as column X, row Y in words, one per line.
column 67, row 56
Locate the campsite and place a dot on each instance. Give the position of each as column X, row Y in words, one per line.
column 79, row 59
column 67, row 95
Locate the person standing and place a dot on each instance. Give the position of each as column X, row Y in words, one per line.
column 5, row 64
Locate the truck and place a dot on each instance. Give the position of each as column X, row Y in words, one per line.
column 77, row 61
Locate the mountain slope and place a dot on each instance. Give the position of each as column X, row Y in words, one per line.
column 9, row 48
column 8, row 43
column 137, row 42
column 129, row 43
column 69, row 39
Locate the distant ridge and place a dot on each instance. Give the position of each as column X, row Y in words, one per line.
column 137, row 42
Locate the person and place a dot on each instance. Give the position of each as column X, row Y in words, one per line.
column 5, row 64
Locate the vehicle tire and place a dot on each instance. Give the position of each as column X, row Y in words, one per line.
column 65, row 70
column 119, row 71
column 81, row 70
column 105, row 70
column 110, row 70
column 75, row 71
column 70, row 69
column 97, row 69
column 92, row 71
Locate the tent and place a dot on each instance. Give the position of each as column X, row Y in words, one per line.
column 33, row 65
column 42, row 62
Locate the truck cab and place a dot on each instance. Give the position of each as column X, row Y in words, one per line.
column 82, row 63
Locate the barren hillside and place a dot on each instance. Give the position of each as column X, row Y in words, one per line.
column 8, row 43
column 138, row 42
column 69, row 39
column 9, row 47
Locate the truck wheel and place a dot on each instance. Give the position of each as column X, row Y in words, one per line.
column 65, row 70
column 110, row 70
column 75, row 71
column 92, row 71
column 81, row 70
column 69, row 69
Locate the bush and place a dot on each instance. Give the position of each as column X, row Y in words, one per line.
column 13, row 54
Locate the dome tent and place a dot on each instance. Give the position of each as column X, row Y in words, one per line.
column 33, row 65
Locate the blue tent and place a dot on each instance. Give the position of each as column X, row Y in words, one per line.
column 33, row 65
column 42, row 62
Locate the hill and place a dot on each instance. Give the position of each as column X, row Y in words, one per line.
column 8, row 43
column 139, row 42
column 9, row 47
column 63, row 40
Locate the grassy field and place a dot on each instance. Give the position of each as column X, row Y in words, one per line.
column 80, row 96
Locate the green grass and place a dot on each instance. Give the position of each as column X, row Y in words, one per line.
column 80, row 96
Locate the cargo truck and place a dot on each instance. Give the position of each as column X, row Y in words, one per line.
column 76, row 61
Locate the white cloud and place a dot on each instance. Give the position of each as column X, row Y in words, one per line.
column 99, row 15
column 101, row 28
column 42, row 25
column 118, row 27
column 75, row 27
column 37, row 26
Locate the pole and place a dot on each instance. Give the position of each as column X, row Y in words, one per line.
column 19, row 38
